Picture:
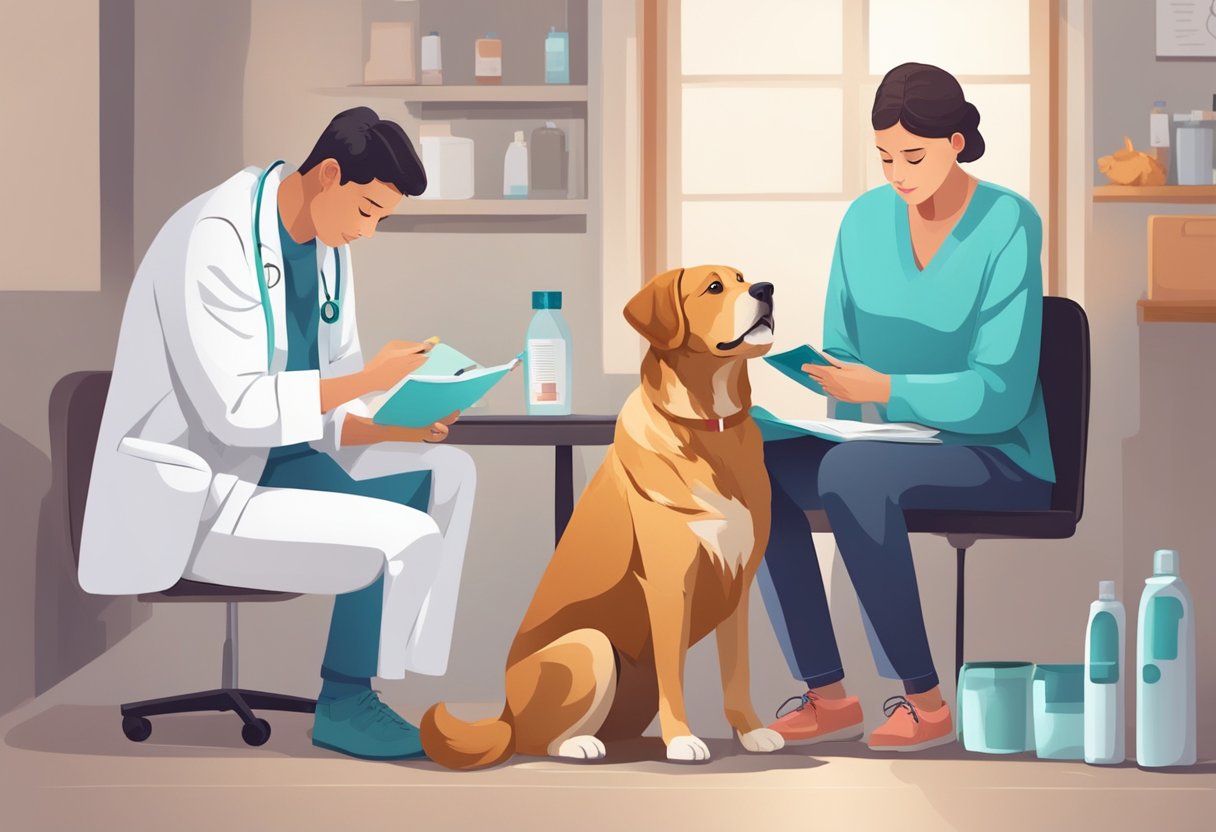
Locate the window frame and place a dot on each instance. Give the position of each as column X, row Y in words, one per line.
column 662, row 82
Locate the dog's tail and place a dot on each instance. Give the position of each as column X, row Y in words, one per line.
column 454, row 743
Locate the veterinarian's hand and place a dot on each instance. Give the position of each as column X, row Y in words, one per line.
column 360, row 430
column 853, row 383
column 395, row 361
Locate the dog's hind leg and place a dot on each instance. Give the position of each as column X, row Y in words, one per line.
column 637, row 699
column 561, row 694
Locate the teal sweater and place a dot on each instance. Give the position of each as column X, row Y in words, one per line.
column 960, row 339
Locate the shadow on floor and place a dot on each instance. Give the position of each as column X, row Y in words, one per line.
column 97, row 730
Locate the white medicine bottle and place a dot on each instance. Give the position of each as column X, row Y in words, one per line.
column 548, row 364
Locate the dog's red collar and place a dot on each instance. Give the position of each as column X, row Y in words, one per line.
column 711, row 425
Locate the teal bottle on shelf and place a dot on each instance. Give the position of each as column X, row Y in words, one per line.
column 557, row 57
column 548, row 364
column 1165, row 664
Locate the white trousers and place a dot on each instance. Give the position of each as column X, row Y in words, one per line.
column 318, row 542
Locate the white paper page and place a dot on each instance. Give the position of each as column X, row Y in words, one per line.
column 1186, row 28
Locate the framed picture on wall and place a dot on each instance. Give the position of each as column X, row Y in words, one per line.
column 1186, row 28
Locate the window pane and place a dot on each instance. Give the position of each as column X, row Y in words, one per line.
column 760, row 37
column 1005, row 126
column 965, row 37
column 788, row 244
column 761, row 140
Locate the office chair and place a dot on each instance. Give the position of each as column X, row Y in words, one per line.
column 1064, row 369
column 76, row 406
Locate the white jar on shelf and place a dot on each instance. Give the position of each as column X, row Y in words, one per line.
column 448, row 161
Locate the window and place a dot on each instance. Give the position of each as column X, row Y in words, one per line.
column 757, row 135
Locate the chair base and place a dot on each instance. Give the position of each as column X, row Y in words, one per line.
column 255, row 731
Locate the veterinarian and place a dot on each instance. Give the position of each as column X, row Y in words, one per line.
column 934, row 311
column 236, row 447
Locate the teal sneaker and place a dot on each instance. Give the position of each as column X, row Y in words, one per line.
column 362, row 726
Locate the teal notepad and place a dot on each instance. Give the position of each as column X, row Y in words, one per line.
column 446, row 382
column 789, row 363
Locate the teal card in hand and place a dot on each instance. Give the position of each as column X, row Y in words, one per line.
column 789, row 363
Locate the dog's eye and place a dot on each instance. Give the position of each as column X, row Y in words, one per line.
column 739, row 278
column 714, row 288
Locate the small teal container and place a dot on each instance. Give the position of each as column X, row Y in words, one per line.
column 557, row 57
column 1059, row 711
column 994, row 709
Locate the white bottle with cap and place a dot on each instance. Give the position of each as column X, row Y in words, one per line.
column 1104, row 673
column 515, row 168
column 1165, row 665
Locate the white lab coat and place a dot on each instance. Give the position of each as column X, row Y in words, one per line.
column 193, row 411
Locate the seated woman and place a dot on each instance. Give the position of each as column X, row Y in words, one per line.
column 934, row 311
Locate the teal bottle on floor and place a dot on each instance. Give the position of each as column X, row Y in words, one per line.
column 548, row 360
column 1165, row 664
column 1105, row 642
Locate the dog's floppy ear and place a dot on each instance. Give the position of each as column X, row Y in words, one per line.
column 656, row 311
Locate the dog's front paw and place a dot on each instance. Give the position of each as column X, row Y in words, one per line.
column 688, row 749
column 583, row 747
column 761, row 741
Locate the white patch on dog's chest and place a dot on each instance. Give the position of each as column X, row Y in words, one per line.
column 728, row 534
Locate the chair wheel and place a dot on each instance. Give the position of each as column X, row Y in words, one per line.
column 256, row 732
column 137, row 728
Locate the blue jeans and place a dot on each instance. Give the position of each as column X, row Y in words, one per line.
column 353, row 649
column 864, row 488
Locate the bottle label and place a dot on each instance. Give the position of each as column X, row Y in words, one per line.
column 1104, row 649
column 1165, row 615
column 1159, row 130
column 546, row 371
column 488, row 67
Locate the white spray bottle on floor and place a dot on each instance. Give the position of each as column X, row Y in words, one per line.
column 1104, row 673
column 1165, row 664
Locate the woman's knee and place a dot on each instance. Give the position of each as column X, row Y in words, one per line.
column 854, row 472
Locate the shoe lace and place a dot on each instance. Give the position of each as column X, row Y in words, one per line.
column 370, row 701
column 803, row 700
column 895, row 703
column 384, row 712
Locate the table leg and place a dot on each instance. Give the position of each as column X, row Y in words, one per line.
column 563, row 489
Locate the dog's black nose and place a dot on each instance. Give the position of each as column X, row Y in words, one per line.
column 762, row 292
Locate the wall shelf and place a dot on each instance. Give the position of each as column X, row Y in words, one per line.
column 472, row 94
column 492, row 207
column 1177, row 311
column 1185, row 194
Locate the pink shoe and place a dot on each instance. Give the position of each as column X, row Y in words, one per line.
column 909, row 728
column 826, row 720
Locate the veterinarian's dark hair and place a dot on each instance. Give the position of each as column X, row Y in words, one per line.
column 368, row 147
column 928, row 102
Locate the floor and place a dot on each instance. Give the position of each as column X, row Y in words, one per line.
column 65, row 765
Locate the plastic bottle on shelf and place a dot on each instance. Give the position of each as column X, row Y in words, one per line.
column 1165, row 661
column 557, row 57
column 432, row 60
column 515, row 169
column 547, row 162
column 1159, row 135
column 1105, row 640
column 548, row 364
column 487, row 62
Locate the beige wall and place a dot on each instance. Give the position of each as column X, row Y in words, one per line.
column 1148, row 482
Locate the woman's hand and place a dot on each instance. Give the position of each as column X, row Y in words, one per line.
column 852, row 383
column 360, row 430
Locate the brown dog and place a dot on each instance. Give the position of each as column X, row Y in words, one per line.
column 660, row 551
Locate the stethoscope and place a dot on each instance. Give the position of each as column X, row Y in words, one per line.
column 329, row 309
